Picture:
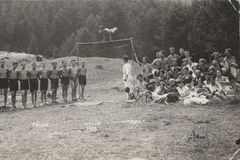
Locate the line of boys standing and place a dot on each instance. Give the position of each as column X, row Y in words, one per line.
column 29, row 80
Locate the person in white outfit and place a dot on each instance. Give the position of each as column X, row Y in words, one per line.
column 127, row 73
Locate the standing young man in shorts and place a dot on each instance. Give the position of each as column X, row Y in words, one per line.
column 74, row 80
column 54, row 77
column 43, row 76
column 24, row 83
column 4, row 81
column 65, row 80
column 33, row 81
column 82, row 78
column 13, row 83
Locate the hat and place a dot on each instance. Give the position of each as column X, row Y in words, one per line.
column 202, row 60
column 211, row 67
column 172, row 80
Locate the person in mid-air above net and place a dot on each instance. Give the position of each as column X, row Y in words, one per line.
column 107, row 33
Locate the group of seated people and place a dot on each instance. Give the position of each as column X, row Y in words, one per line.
column 169, row 79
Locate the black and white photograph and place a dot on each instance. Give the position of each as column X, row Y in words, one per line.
column 119, row 80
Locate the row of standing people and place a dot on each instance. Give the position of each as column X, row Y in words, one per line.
column 35, row 80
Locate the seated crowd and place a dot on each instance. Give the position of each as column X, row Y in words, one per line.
column 169, row 79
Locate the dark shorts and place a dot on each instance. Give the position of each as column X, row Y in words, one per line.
column 54, row 83
column 172, row 98
column 33, row 84
column 43, row 84
column 3, row 83
column 82, row 79
column 24, row 84
column 13, row 84
column 65, row 80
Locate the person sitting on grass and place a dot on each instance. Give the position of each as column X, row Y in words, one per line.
column 183, row 90
column 130, row 95
column 146, row 67
column 200, row 95
column 216, row 89
column 140, row 88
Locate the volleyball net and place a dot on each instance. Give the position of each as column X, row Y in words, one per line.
column 108, row 49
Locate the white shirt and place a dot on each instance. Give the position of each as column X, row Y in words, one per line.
column 184, row 91
column 127, row 72
column 127, row 76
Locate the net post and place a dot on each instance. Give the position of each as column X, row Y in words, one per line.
column 133, row 51
column 133, row 69
column 77, row 49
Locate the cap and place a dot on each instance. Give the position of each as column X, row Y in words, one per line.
column 202, row 60
column 211, row 67
column 172, row 80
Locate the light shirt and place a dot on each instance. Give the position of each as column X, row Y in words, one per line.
column 127, row 72
column 184, row 91
column 127, row 76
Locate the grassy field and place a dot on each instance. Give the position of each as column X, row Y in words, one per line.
column 106, row 128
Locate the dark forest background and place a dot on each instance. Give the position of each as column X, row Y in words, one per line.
column 51, row 28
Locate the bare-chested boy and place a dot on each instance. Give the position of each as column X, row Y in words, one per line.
column 43, row 76
column 54, row 77
column 33, row 81
column 13, row 83
column 65, row 80
column 4, row 81
column 74, row 80
column 82, row 78
column 24, row 83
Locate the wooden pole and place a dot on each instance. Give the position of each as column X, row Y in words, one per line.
column 78, row 57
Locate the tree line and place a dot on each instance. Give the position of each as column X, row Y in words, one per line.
column 51, row 28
